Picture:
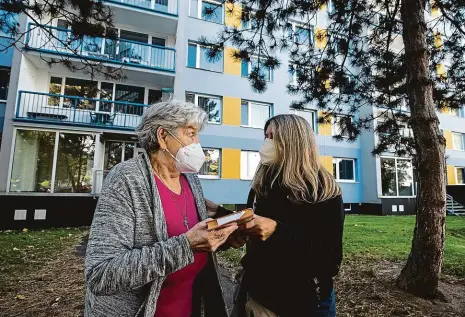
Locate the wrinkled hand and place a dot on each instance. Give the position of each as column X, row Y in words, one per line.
column 237, row 239
column 211, row 207
column 202, row 240
column 259, row 227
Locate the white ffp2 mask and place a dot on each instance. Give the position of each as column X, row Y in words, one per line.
column 189, row 158
column 267, row 152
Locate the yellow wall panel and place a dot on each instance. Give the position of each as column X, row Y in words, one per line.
column 321, row 38
column 231, row 111
column 434, row 11
column 437, row 39
column 327, row 162
column 231, row 65
column 441, row 70
column 451, row 177
column 448, row 136
column 233, row 14
column 324, row 128
column 231, row 163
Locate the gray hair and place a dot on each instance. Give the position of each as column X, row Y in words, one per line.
column 170, row 115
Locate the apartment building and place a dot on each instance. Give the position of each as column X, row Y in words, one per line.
column 64, row 131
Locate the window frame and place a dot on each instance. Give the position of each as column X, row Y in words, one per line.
column 196, row 102
column 54, row 161
column 311, row 30
column 6, row 69
column 197, row 58
column 457, row 168
column 453, row 141
column 248, row 177
column 199, row 11
column 396, row 177
column 336, row 161
column 249, row 112
column 201, row 176
column 335, row 125
column 314, row 123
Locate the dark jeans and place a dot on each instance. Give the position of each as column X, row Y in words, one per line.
column 327, row 307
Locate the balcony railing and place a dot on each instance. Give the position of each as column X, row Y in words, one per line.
column 73, row 110
column 169, row 7
column 60, row 41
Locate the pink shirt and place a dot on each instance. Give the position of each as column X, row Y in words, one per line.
column 175, row 299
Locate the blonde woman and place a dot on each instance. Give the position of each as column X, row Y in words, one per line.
column 295, row 238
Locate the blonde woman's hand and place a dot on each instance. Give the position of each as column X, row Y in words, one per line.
column 202, row 240
column 259, row 227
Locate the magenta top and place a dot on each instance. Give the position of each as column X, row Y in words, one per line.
column 175, row 298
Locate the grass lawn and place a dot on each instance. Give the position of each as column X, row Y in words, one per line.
column 23, row 252
column 390, row 238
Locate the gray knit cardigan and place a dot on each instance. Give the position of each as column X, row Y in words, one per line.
column 129, row 253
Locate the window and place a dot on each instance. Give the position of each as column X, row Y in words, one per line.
column 330, row 6
column 457, row 141
column 300, row 34
column 250, row 21
column 75, row 161
column 80, row 88
column 248, row 67
column 34, row 163
column 208, row 10
column 344, row 169
column 347, row 86
column 117, row 152
column 249, row 164
column 254, row 115
column 9, row 24
column 154, row 96
column 396, row 177
column 309, row 115
column 197, row 57
column 460, row 172
column 340, row 124
column 4, row 83
column 211, row 105
column 130, row 94
column 457, row 112
column 211, row 167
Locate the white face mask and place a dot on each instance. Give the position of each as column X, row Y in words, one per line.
column 189, row 158
column 267, row 152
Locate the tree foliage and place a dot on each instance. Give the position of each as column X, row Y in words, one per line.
column 359, row 54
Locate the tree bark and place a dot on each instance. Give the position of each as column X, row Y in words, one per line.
column 421, row 274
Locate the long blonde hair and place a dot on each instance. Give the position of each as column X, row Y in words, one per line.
column 296, row 168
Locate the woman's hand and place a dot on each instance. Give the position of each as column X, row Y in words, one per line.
column 211, row 207
column 259, row 227
column 202, row 240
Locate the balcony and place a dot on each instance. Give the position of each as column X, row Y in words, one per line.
column 79, row 111
column 119, row 52
column 167, row 7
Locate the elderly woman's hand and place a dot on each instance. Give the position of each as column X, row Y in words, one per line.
column 202, row 240
column 237, row 239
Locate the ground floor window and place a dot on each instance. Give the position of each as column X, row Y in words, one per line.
column 46, row 161
column 460, row 172
column 344, row 169
column 117, row 152
column 249, row 164
column 397, row 177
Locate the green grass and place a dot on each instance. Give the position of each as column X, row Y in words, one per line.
column 390, row 238
column 24, row 252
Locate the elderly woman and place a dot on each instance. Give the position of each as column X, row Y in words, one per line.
column 148, row 252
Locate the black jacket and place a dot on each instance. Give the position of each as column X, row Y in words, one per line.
column 293, row 270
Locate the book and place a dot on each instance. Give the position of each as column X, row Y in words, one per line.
column 239, row 217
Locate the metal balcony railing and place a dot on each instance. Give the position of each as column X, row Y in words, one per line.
column 169, row 7
column 60, row 41
column 74, row 110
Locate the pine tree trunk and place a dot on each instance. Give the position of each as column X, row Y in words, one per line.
column 421, row 274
